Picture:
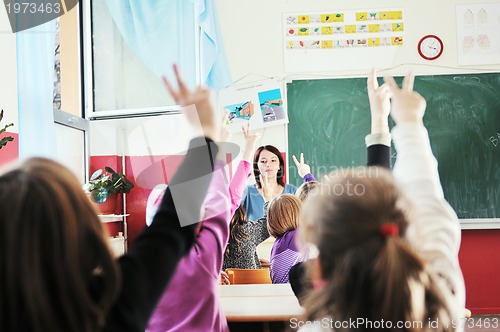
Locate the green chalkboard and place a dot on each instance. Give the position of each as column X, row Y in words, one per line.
column 329, row 119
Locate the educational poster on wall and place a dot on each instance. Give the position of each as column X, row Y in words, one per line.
column 342, row 40
column 477, row 34
column 258, row 103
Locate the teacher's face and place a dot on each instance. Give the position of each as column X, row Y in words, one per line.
column 269, row 164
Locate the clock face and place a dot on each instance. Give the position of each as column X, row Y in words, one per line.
column 430, row 47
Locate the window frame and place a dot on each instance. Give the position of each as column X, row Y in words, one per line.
column 73, row 121
column 88, row 73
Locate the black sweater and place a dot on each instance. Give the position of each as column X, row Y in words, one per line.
column 148, row 266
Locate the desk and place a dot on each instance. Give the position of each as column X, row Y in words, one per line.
column 259, row 303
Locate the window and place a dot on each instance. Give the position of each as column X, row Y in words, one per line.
column 133, row 44
column 71, row 128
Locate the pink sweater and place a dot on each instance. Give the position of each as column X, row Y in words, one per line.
column 190, row 302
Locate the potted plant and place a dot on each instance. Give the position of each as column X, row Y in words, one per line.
column 6, row 139
column 103, row 184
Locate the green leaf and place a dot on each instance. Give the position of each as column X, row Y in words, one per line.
column 109, row 170
column 5, row 140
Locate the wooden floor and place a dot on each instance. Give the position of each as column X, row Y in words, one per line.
column 482, row 323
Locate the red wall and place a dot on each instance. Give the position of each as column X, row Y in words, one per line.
column 480, row 261
column 479, row 253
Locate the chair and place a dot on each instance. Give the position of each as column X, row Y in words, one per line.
column 249, row 276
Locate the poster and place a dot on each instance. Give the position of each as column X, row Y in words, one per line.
column 342, row 40
column 258, row 103
column 477, row 34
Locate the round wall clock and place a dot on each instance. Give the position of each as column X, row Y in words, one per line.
column 430, row 47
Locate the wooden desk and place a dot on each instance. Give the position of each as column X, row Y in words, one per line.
column 259, row 303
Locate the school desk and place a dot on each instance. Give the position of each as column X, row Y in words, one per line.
column 259, row 303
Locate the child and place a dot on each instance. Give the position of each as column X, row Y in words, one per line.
column 57, row 272
column 378, row 146
column 283, row 221
column 245, row 235
column 387, row 245
column 197, row 275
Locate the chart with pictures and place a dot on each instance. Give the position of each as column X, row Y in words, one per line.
column 259, row 104
column 344, row 29
column 477, row 34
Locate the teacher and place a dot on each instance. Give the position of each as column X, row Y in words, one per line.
column 269, row 166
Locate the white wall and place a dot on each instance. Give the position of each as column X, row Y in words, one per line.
column 8, row 72
column 71, row 149
column 252, row 32
column 253, row 38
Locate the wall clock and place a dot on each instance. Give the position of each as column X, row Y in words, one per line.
column 430, row 47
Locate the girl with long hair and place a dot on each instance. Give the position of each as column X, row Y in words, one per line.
column 57, row 272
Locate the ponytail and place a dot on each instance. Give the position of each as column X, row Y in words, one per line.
column 369, row 269
column 389, row 285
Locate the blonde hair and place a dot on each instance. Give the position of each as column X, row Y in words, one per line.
column 305, row 188
column 283, row 215
column 367, row 274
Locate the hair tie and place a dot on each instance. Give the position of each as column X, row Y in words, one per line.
column 389, row 229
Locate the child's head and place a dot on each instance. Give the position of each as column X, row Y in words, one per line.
column 236, row 232
column 358, row 220
column 239, row 216
column 54, row 252
column 305, row 188
column 283, row 215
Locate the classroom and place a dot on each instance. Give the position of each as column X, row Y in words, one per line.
column 304, row 62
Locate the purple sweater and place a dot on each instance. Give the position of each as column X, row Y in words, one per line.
column 284, row 255
column 190, row 302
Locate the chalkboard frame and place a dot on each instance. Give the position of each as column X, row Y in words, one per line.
column 356, row 89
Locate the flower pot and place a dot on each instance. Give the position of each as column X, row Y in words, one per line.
column 109, row 206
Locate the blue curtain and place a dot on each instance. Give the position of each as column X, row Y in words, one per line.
column 214, row 68
column 161, row 33
column 35, row 84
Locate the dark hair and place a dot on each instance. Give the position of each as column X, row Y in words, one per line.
column 366, row 274
column 305, row 188
column 283, row 215
column 281, row 171
column 57, row 271
column 236, row 233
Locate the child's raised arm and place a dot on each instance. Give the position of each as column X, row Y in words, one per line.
column 378, row 142
column 434, row 230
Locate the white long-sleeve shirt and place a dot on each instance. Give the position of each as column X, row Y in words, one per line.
column 434, row 229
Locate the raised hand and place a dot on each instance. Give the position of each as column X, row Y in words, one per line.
column 251, row 139
column 380, row 105
column 196, row 105
column 407, row 106
column 302, row 168
column 223, row 278
column 225, row 134
column 226, row 148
